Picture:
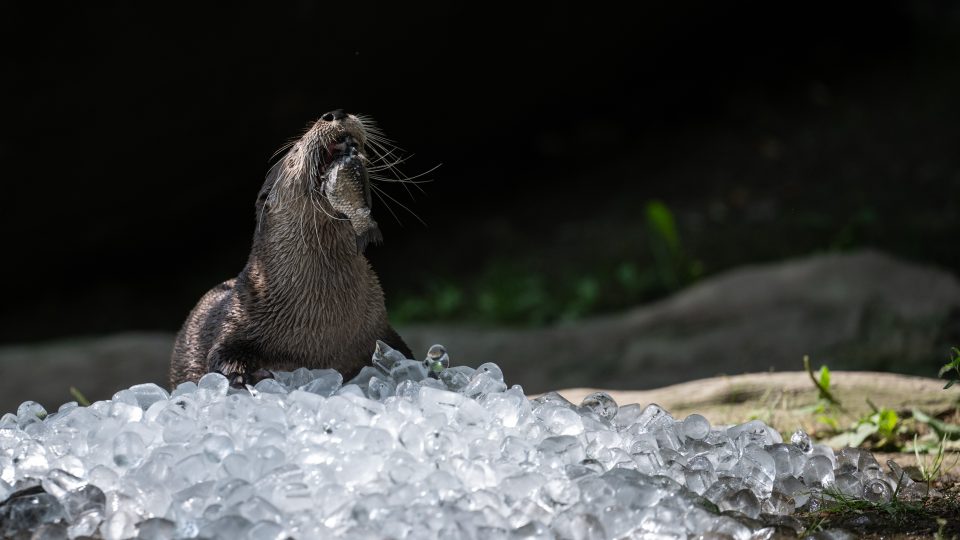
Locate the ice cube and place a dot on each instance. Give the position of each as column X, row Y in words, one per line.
column 407, row 370
column 28, row 512
column 128, row 449
column 379, row 389
column 270, row 386
column 156, row 529
column 801, row 440
column 30, row 412
column 818, row 472
column 482, row 384
column 326, row 382
column 385, row 357
column 148, row 394
column 559, row 420
column 877, row 491
column 600, row 404
column 58, row 482
column 214, row 384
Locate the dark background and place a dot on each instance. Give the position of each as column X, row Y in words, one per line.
column 135, row 138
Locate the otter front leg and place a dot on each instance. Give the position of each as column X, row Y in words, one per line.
column 239, row 362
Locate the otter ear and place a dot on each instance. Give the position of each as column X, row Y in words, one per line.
column 267, row 187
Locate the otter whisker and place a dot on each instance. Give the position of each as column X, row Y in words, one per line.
column 383, row 143
column 324, row 210
column 379, row 178
column 382, row 153
column 402, row 179
column 369, row 125
column 381, row 163
column 387, row 206
column 412, row 213
column 411, row 179
column 286, row 146
column 387, row 158
column 380, row 139
column 316, row 228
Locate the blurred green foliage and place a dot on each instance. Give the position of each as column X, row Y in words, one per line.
column 521, row 293
column 951, row 370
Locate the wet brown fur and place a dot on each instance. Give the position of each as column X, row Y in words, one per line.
column 306, row 297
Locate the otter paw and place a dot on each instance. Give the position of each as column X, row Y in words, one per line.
column 240, row 379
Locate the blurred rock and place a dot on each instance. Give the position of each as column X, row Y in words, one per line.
column 864, row 311
column 98, row 367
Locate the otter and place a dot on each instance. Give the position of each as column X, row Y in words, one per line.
column 307, row 296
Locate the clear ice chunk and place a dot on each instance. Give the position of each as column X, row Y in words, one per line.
column 58, row 482
column 148, row 394
column 801, row 440
column 156, row 529
column 26, row 513
column 380, row 389
column 408, row 370
column 30, row 412
column 456, row 377
column 83, row 499
column 128, row 449
column 600, row 404
column 652, row 418
column 385, row 357
column 437, row 359
column 482, row 384
column 818, row 472
column 270, row 386
column 326, row 383
column 696, row 427
column 743, row 501
column 877, row 491
column 559, row 420
column 214, row 383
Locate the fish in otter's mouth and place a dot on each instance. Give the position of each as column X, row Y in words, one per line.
column 346, row 185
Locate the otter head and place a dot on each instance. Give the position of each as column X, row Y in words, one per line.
column 324, row 177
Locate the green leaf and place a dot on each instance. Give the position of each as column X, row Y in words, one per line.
column 830, row 421
column 942, row 428
column 863, row 432
column 887, row 421
column 77, row 395
column 825, row 377
column 949, row 384
column 660, row 219
column 852, row 438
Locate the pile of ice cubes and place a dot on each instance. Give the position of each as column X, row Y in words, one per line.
column 407, row 449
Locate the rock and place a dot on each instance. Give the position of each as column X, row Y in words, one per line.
column 850, row 311
column 97, row 366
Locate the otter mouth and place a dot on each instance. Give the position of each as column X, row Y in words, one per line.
column 343, row 146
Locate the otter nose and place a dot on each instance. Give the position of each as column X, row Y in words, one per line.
column 334, row 115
